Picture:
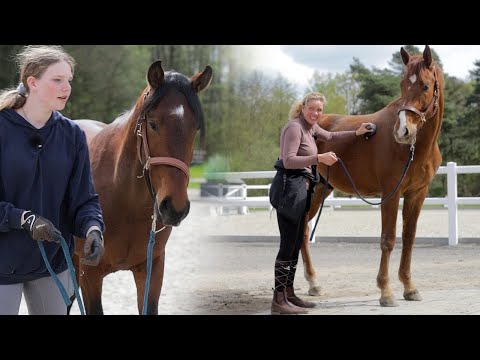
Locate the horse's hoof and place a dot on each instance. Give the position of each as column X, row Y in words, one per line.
column 315, row 291
column 388, row 302
column 412, row 296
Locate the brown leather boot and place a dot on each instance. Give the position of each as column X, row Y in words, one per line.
column 295, row 300
column 280, row 304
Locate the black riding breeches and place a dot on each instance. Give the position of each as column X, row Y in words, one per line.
column 291, row 234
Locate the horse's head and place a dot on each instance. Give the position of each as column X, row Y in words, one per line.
column 169, row 116
column 420, row 92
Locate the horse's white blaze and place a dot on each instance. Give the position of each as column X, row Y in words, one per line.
column 413, row 78
column 178, row 111
column 403, row 123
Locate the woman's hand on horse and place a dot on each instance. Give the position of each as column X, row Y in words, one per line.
column 93, row 249
column 328, row 158
column 365, row 128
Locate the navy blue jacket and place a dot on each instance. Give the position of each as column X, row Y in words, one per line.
column 46, row 171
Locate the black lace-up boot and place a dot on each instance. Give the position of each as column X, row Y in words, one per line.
column 280, row 303
column 291, row 297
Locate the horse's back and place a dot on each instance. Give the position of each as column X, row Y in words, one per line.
column 342, row 122
column 90, row 127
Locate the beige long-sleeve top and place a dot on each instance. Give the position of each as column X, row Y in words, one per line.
column 297, row 143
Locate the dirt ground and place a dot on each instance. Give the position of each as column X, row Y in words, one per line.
column 239, row 277
column 208, row 271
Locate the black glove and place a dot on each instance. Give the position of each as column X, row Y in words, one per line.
column 40, row 228
column 93, row 249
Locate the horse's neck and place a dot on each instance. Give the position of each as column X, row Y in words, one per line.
column 126, row 131
column 128, row 168
column 431, row 128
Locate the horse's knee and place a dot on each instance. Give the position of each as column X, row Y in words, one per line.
column 387, row 243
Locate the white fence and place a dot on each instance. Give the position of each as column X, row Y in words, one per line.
column 237, row 195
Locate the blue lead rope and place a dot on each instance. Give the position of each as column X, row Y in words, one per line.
column 60, row 286
column 151, row 243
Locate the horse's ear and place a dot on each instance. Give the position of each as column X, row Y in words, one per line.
column 201, row 81
column 427, row 56
column 405, row 56
column 155, row 74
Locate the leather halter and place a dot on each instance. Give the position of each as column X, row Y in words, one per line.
column 147, row 161
column 433, row 106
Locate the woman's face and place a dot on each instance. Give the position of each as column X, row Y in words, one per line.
column 312, row 110
column 53, row 88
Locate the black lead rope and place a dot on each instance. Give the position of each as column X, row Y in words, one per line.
column 410, row 158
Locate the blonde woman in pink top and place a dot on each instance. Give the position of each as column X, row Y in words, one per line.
column 299, row 153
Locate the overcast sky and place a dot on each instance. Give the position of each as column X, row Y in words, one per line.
column 298, row 62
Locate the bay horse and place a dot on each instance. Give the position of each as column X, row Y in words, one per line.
column 140, row 170
column 410, row 123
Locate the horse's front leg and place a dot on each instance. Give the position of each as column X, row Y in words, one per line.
column 412, row 205
column 91, row 283
column 76, row 265
column 156, row 281
column 309, row 271
column 387, row 243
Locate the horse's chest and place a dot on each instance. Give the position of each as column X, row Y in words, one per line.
column 422, row 174
column 129, row 250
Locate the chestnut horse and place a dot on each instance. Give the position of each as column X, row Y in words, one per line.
column 140, row 166
column 409, row 123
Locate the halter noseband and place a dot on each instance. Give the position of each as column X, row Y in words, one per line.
column 141, row 132
column 433, row 104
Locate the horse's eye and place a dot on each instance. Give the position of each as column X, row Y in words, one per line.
column 425, row 87
column 152, row 125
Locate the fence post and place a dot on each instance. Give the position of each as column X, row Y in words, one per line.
column 243, row 194
column 270, row 207
column 220, row 196
column 332, row 197
column 452, row 203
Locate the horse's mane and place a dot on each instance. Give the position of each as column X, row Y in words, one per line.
column 123, row 116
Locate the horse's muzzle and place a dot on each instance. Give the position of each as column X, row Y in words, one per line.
column 170, row 216
column 408, row 137
column 409, row 140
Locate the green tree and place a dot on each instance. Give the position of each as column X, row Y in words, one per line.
column 377, row 87
column 328, row 84
column 467, row 143
column 348, row 87
column 108, row 80
column 9, row 76
column 473, row 101
column 257, row 119
column 456, row 92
